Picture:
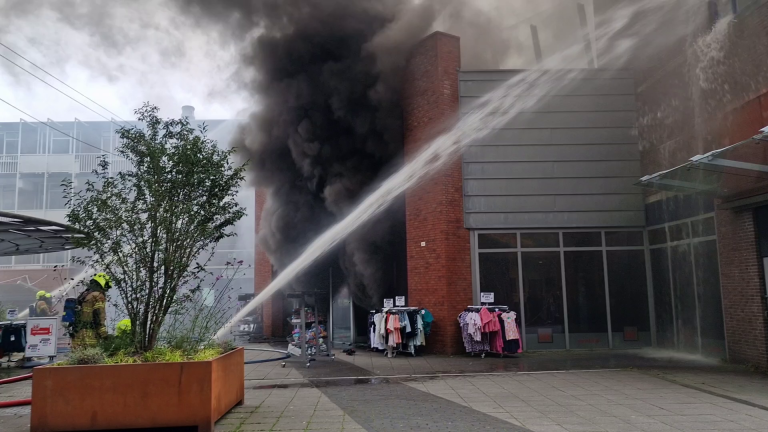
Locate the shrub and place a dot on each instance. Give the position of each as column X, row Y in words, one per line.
column 86, row 356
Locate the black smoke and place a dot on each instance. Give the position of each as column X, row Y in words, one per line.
column 327, row 76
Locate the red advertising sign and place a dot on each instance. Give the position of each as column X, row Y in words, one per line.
column 38, row 330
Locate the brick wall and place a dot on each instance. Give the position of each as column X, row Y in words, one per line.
column 439, row 273
column 272, row 308
column 741, row 279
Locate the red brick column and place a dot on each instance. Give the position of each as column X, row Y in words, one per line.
column 741, row 279
column 262, row 274
column 439, row 273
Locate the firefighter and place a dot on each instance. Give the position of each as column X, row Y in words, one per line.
column 91, row 316
column 44, row 305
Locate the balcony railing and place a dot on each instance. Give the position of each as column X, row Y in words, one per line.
column 9, row 164
column 86, row 162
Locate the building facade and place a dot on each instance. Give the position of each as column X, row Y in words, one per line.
column 559, row 214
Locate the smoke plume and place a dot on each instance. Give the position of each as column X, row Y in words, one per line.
column 327, row 76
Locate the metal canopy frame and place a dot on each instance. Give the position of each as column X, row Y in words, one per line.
column 27, row 235
column 716, row 165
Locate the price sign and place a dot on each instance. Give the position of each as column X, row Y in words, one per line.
column 400, row 301
column 12, row 314
column 388, row 303
column 486, row 297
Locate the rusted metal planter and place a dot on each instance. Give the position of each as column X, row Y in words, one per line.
column 135, row 396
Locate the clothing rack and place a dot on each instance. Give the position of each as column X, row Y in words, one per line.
column 494, row 308
column 497, row 308
column 402, row 347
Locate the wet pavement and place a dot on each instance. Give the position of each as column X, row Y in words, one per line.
column 576, row 391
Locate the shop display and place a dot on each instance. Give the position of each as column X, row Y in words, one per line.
column 490, row 329
column 399, row 329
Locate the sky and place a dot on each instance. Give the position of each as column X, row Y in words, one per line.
column 121, row 54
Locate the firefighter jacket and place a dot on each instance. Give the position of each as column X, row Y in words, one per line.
column 93, row 313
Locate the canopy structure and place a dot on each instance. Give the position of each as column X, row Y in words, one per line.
column 26, row 235
column 735, row 173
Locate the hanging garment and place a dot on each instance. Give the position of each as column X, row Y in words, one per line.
column 511, row 346
column 510, row 326
column 470, row 323
column 412, row 332
column 496, row 338
column 475, row 326
column 396, row 333
column 381, row 330
column 380, row 340
column 486, row 320
column 13, row 339
column 420, row 325
column 427, row 317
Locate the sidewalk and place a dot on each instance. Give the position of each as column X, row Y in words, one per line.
column 578, row 391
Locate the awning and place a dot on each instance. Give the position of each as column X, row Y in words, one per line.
column 734, row 172
column 26, row 235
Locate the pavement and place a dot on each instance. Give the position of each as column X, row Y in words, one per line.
column 563, row 391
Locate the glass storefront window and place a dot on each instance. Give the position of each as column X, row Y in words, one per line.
column 684, row 298
column 585, row 288
column 497, row 241
column 582, row 239
column 543, row 296
column 540, row 240
column 628, row 289
column 703, row 228
column 624, row 238
column 657, row 236
column 679, row 232
column 499, row 274
column 662, row 298
column 709, row 298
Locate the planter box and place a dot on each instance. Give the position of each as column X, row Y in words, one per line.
column 136, row 396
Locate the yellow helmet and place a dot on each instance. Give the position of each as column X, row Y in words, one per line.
column 103, row 280
column 42, row 294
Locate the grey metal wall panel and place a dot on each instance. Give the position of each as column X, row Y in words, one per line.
column 569, row 160
column 551, row 186
column 557, row 87
column 570, row 103
column 555, row 220
column 606, row 152
column 553, row 203
column 569, row 169
column 613, row 119
column 561, row 136
column 497, row 75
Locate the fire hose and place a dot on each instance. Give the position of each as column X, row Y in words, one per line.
column 19, row 402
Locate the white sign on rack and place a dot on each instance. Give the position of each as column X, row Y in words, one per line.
column 388, row 303
column 12, row 314
column 400, row 301
column 486, row 297
column 41, row 337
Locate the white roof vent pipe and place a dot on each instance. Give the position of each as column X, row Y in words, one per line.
column 188, row 112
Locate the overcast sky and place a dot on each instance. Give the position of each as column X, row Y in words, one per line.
column 121, row 54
